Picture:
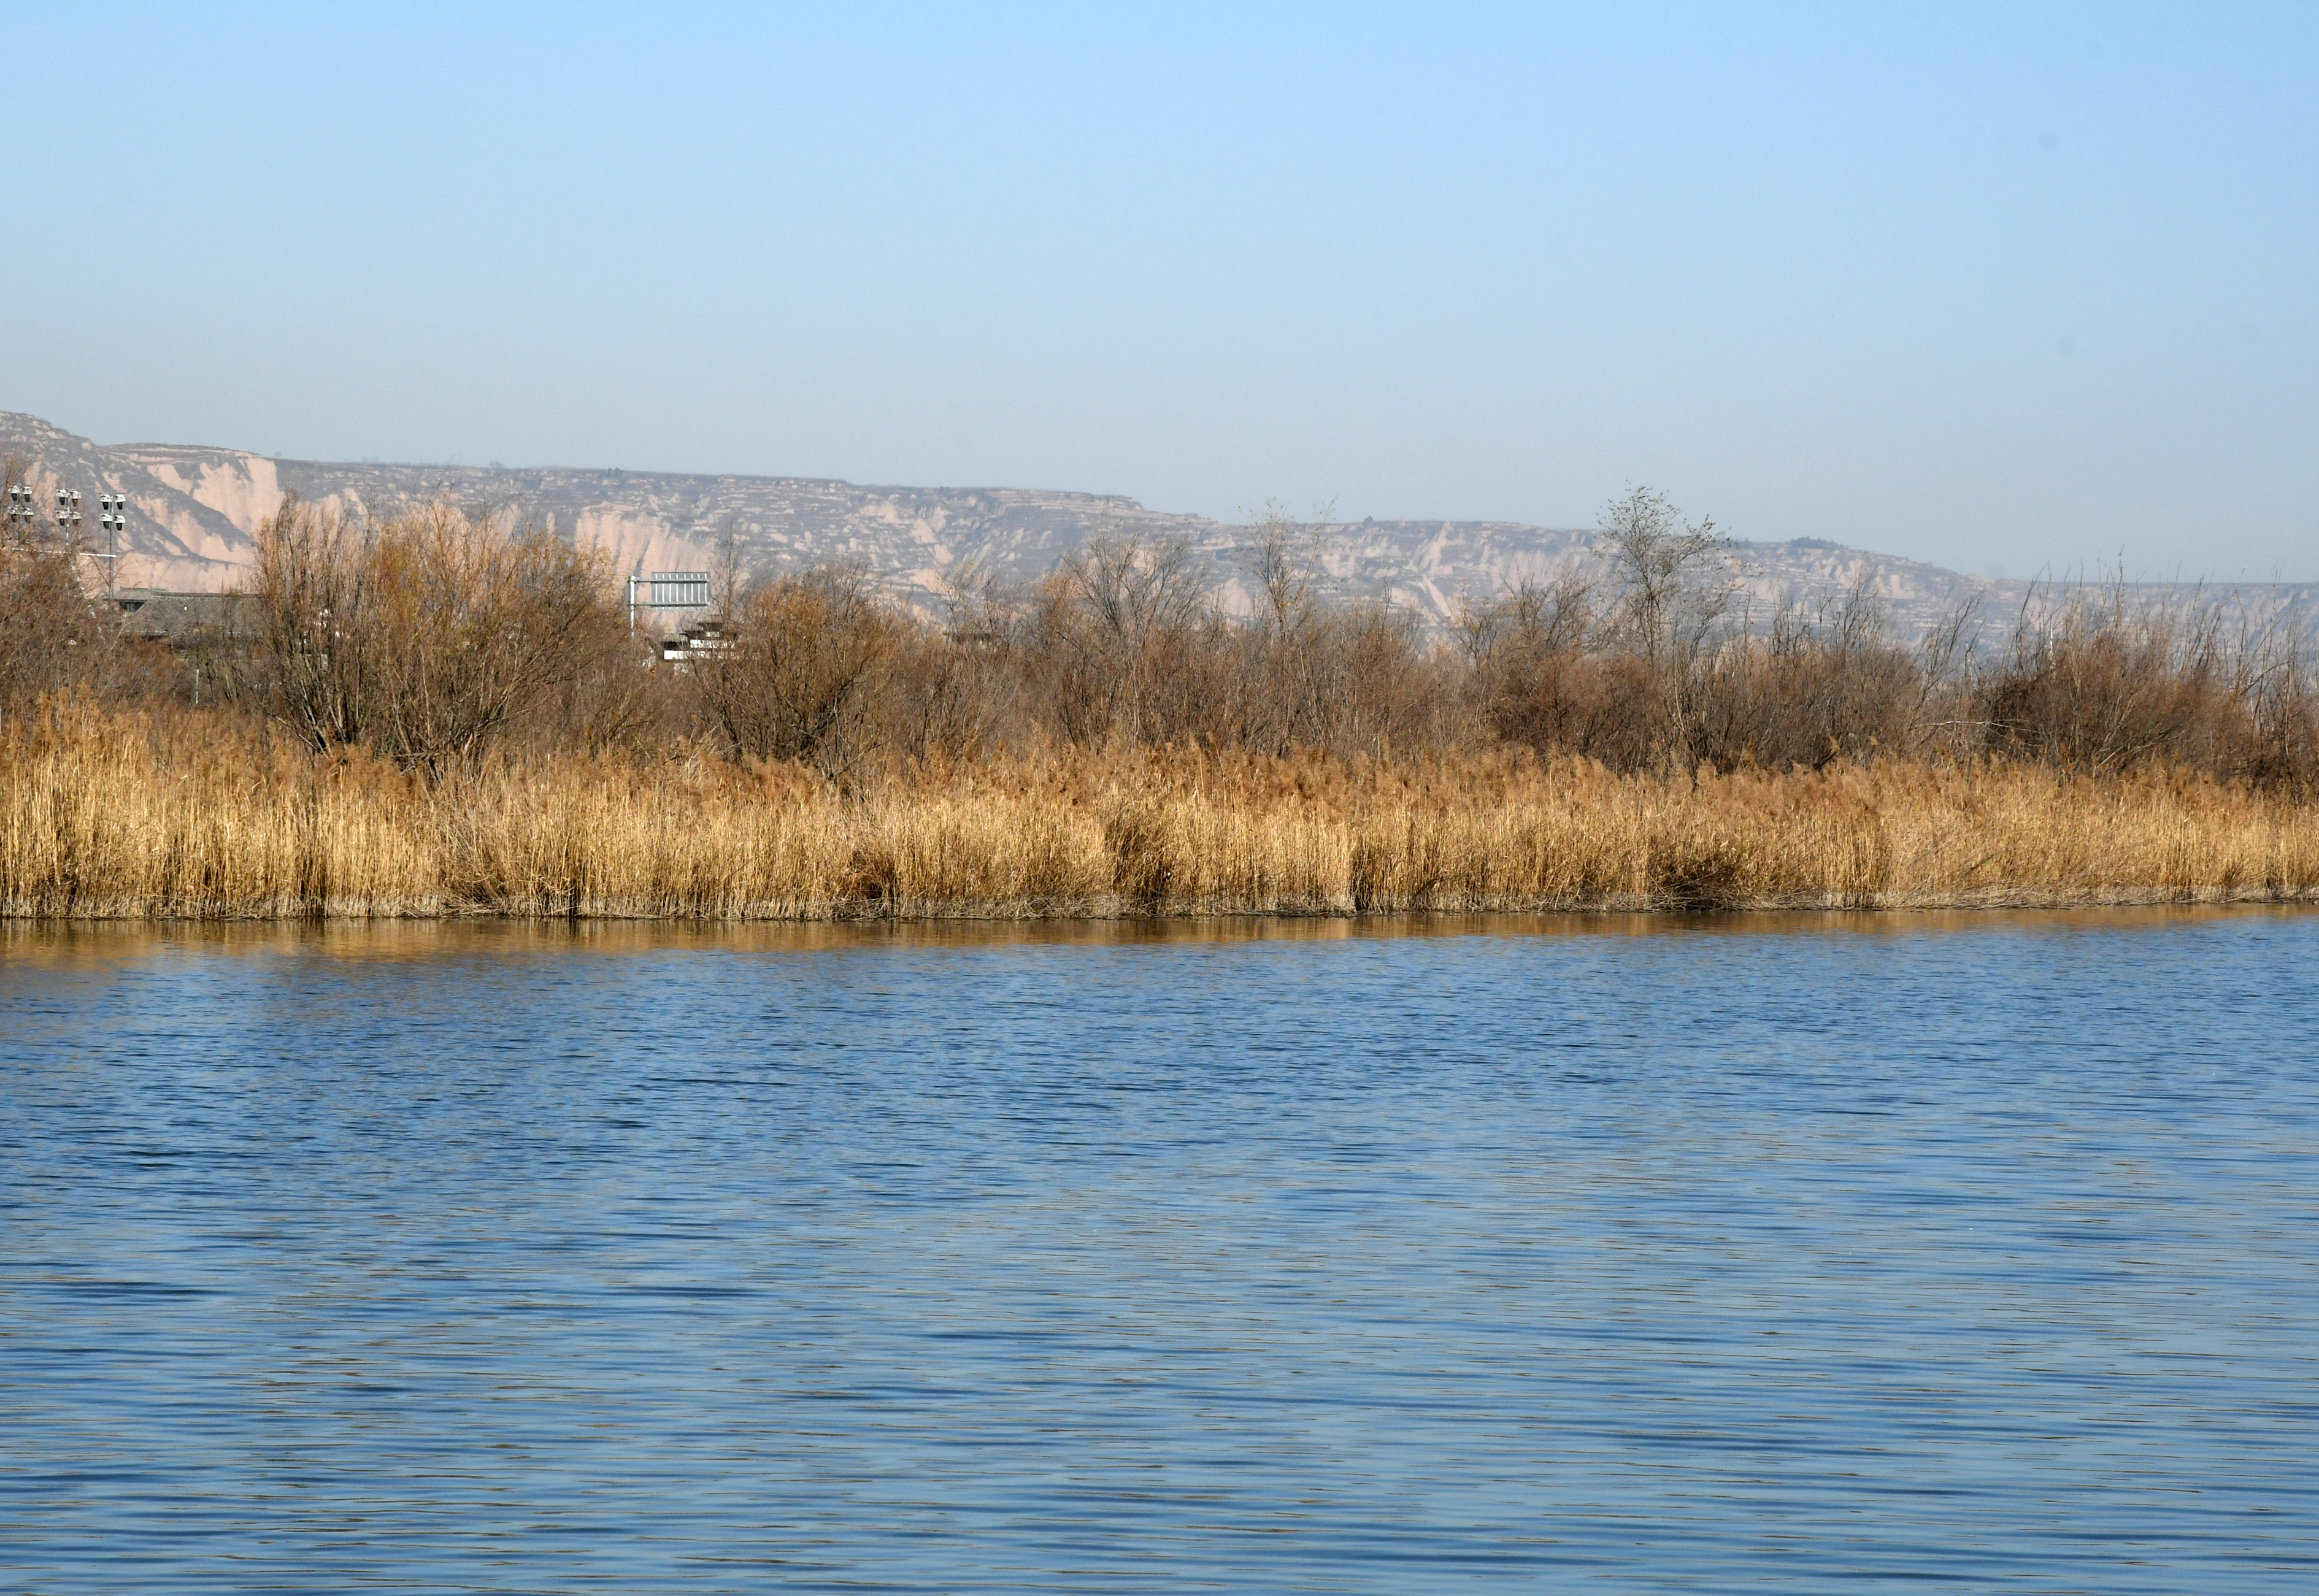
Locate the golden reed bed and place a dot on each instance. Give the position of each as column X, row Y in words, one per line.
column 111, row 815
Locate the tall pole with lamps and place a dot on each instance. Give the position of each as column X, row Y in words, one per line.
column 115, row 521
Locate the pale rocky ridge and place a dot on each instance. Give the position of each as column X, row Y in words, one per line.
column 193, row 511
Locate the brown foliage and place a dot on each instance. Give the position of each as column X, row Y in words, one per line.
column 1549, row 674
column 1108, row 638
column 422, row 637
column 1811, row 694
column 431, row 639
column 1124, row 647
column 167, row 812
column 50, row 636
column 796, row 673
column 2103, row 688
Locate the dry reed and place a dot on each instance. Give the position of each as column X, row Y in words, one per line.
column 106, row 813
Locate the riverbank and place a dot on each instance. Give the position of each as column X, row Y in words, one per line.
column 118, row 815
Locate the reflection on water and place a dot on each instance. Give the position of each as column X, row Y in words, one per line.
column 1789, row 1250
column 53, row 943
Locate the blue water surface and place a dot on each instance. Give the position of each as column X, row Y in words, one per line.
column 1778, row 1253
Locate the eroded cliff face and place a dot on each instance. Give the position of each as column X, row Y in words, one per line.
column 245, row 489
column 193, row 512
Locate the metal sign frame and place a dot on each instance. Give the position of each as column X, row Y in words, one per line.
column 668, row 589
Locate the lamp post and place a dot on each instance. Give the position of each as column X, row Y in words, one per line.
column 68, row 520
column 20, row 518
column 115, row 521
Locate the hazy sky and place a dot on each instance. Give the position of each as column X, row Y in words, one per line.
column 2001, row 287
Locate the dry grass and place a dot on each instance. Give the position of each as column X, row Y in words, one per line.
column 109, row 814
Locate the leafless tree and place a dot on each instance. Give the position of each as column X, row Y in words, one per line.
column 726, row 576
column 1675, row 583
column 1282, row 556
column 423, row 636
column 796, row 676
column 1105, row 629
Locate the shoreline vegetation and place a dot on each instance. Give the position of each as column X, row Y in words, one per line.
column 113, row 815
column 442, row 714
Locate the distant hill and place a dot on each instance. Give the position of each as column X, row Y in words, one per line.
column 193, row 510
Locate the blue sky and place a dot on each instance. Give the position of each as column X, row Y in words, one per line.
column 2009, row 288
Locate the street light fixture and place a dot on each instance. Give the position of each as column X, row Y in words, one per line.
column 115, row 521
column 20, row 518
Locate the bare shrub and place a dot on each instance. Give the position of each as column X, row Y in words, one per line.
column 1104, row 632
column 422, row 637
column 1381, row 685
column 797, row 676
column 943, row 695
column 2103, row 687
column 612, row 696
column 313, row 653
column 2275, row 680
column 1306, row 670
column 955, row 690
column 1546, row 674
column 1313, row 672
column 1277, row 698
column 50, row 636
column 1809, row 692
column 1617, row 667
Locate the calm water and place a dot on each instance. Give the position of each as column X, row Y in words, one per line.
column 1783, row 1254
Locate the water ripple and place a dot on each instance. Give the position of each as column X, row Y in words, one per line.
column 1764, row 1253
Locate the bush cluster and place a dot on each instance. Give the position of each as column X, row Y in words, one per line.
column 436, row 637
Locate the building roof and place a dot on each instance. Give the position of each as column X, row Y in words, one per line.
column 178, row 617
